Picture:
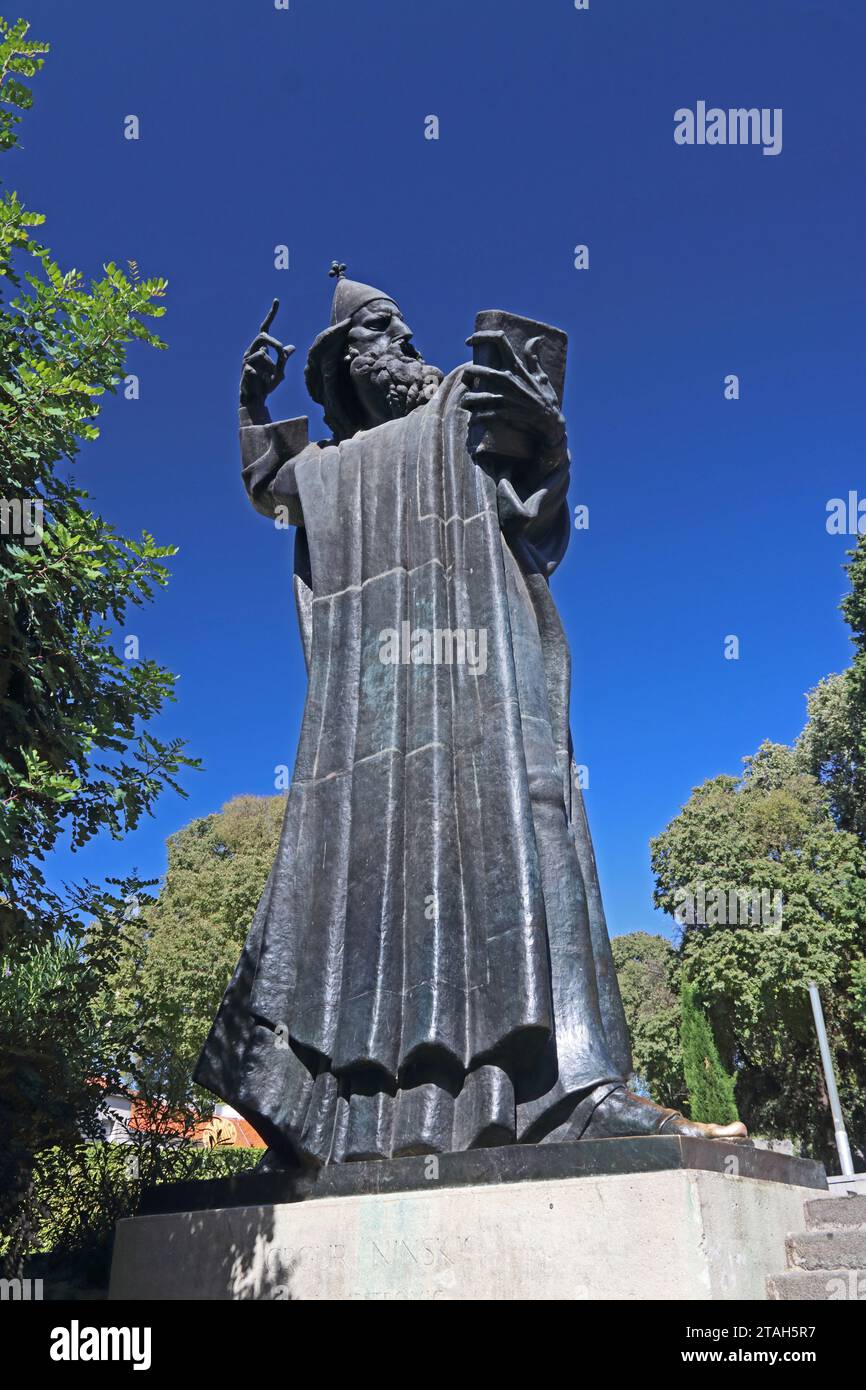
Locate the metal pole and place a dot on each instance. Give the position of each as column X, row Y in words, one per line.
column 841, row 1133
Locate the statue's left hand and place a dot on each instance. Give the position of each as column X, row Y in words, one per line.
column 520, row 394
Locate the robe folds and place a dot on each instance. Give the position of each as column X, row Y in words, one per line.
column 428, row 969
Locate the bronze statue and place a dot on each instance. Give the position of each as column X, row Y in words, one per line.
column 429, row 967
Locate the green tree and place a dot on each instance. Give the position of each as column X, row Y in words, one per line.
column 59, row 1051
column 833, row 743
column 647, row 968
column 772, row 829
column 76, row 753
column 80, row 1192
column 710, row 1088
column 180, row 953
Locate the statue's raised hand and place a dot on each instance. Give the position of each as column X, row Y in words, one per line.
column 261, row 373
column 519, row 393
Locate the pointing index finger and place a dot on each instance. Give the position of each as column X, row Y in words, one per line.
column 269, row 316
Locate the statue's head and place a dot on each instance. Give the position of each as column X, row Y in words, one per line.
column 364, row 369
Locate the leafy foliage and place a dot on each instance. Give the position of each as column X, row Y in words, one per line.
column 833, row 743
column 59, row 1052
column 647, row 968
column 78, row 1194
column 68, row 1043
column 74, row 748
column 182, row 951
column 773, row 829
column 158, row 969
column 19, row 57
column 77, row 753
column 710, row 1088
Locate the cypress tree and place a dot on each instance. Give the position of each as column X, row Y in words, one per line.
column 710, row 1088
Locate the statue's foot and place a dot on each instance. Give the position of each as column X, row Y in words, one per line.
column 616, row 1113
column 272, row 1162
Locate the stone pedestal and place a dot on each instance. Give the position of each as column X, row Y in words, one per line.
column 652, row 1218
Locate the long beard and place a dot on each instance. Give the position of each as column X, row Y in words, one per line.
column 401, row 382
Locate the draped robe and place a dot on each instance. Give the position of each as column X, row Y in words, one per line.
column 429, row 968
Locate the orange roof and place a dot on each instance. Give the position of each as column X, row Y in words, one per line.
column 216, row 1132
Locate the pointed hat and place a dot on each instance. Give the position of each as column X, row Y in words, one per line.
column 350, row 295
column 323, row 359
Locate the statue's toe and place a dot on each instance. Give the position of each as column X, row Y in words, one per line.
column 678, row 1124
column 735, row 1130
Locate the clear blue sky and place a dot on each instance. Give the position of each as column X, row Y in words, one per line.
column 306, row 127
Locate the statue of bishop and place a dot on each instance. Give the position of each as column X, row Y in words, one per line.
column 429, row 967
